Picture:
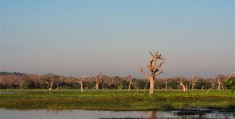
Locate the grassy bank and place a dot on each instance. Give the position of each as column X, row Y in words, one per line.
column 114, row 100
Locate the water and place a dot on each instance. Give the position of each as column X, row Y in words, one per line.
column 84, row 114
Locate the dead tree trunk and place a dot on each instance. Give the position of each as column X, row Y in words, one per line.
column 129, row 86
column 121, row 87
column 50, row 86
column 50, row 80
column 21, row 84
column 130, row 78
column 97, row 86
column 219, row 83
column 166, row 84
column 183, row 86
column 81, row 86
column 146, row 85
column 151, row 80
column 194, row 80
column 212, row 84
column 80, row 81
column 57, row 86
column 155, row 63
column 136, row 85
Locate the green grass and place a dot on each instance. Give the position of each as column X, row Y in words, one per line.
column 114, row 100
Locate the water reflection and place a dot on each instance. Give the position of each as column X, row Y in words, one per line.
column 83, row 114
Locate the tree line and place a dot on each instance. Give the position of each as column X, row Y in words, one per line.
column 52, row 81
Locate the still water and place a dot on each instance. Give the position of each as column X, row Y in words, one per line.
column 84, row 114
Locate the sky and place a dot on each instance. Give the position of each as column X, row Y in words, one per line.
column 114, row 37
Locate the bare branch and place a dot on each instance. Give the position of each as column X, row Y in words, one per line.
column 156, row 70
column 159, row 72
column 151, row 54
column 160, row 65
column 142, row 71
column 155, row 59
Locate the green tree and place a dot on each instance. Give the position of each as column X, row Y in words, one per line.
column 230, row 84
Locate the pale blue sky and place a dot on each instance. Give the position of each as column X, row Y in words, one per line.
column 113, row 37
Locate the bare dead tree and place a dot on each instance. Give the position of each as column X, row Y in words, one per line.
column 50, row 79
column 183, row 86
column 166, row 83
column 130, row 79
column 212, row 81
column 109, row 82
column 226, row 77
column 222, row 77
column 118, row 82
column 136, row 84
column 98, row 79
column 22, row 79
column 155, row 63
column 80, row 81
column 58, row 81
column 120, row 85
column 219, row 83
column 194, row 80
column 104, row 82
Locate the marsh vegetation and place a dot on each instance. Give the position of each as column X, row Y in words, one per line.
column 114, row 99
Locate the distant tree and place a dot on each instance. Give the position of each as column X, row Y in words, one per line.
column 165, row 81
column 105, row 82
column 110, row 82
column 14, row 73
column 221, row 78
column 33, row 81
column 212, row 81
column 98, row 79
column 118, row 82
column 22, row 79
column 219, row 83
column 194, row 80
column 230, row 84
column 202, row 84
column 183, row 86
column 183, row 83
column 49, row 79
column 70, row 82
column 172, row 83
column 58, row 81
column 155, row 63
column 135, row 84
column 146, row 84
column 130, row 79
column 80, row 81
column 9, row 81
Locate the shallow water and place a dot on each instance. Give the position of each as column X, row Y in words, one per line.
column 8, row 92
column 85, row 114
